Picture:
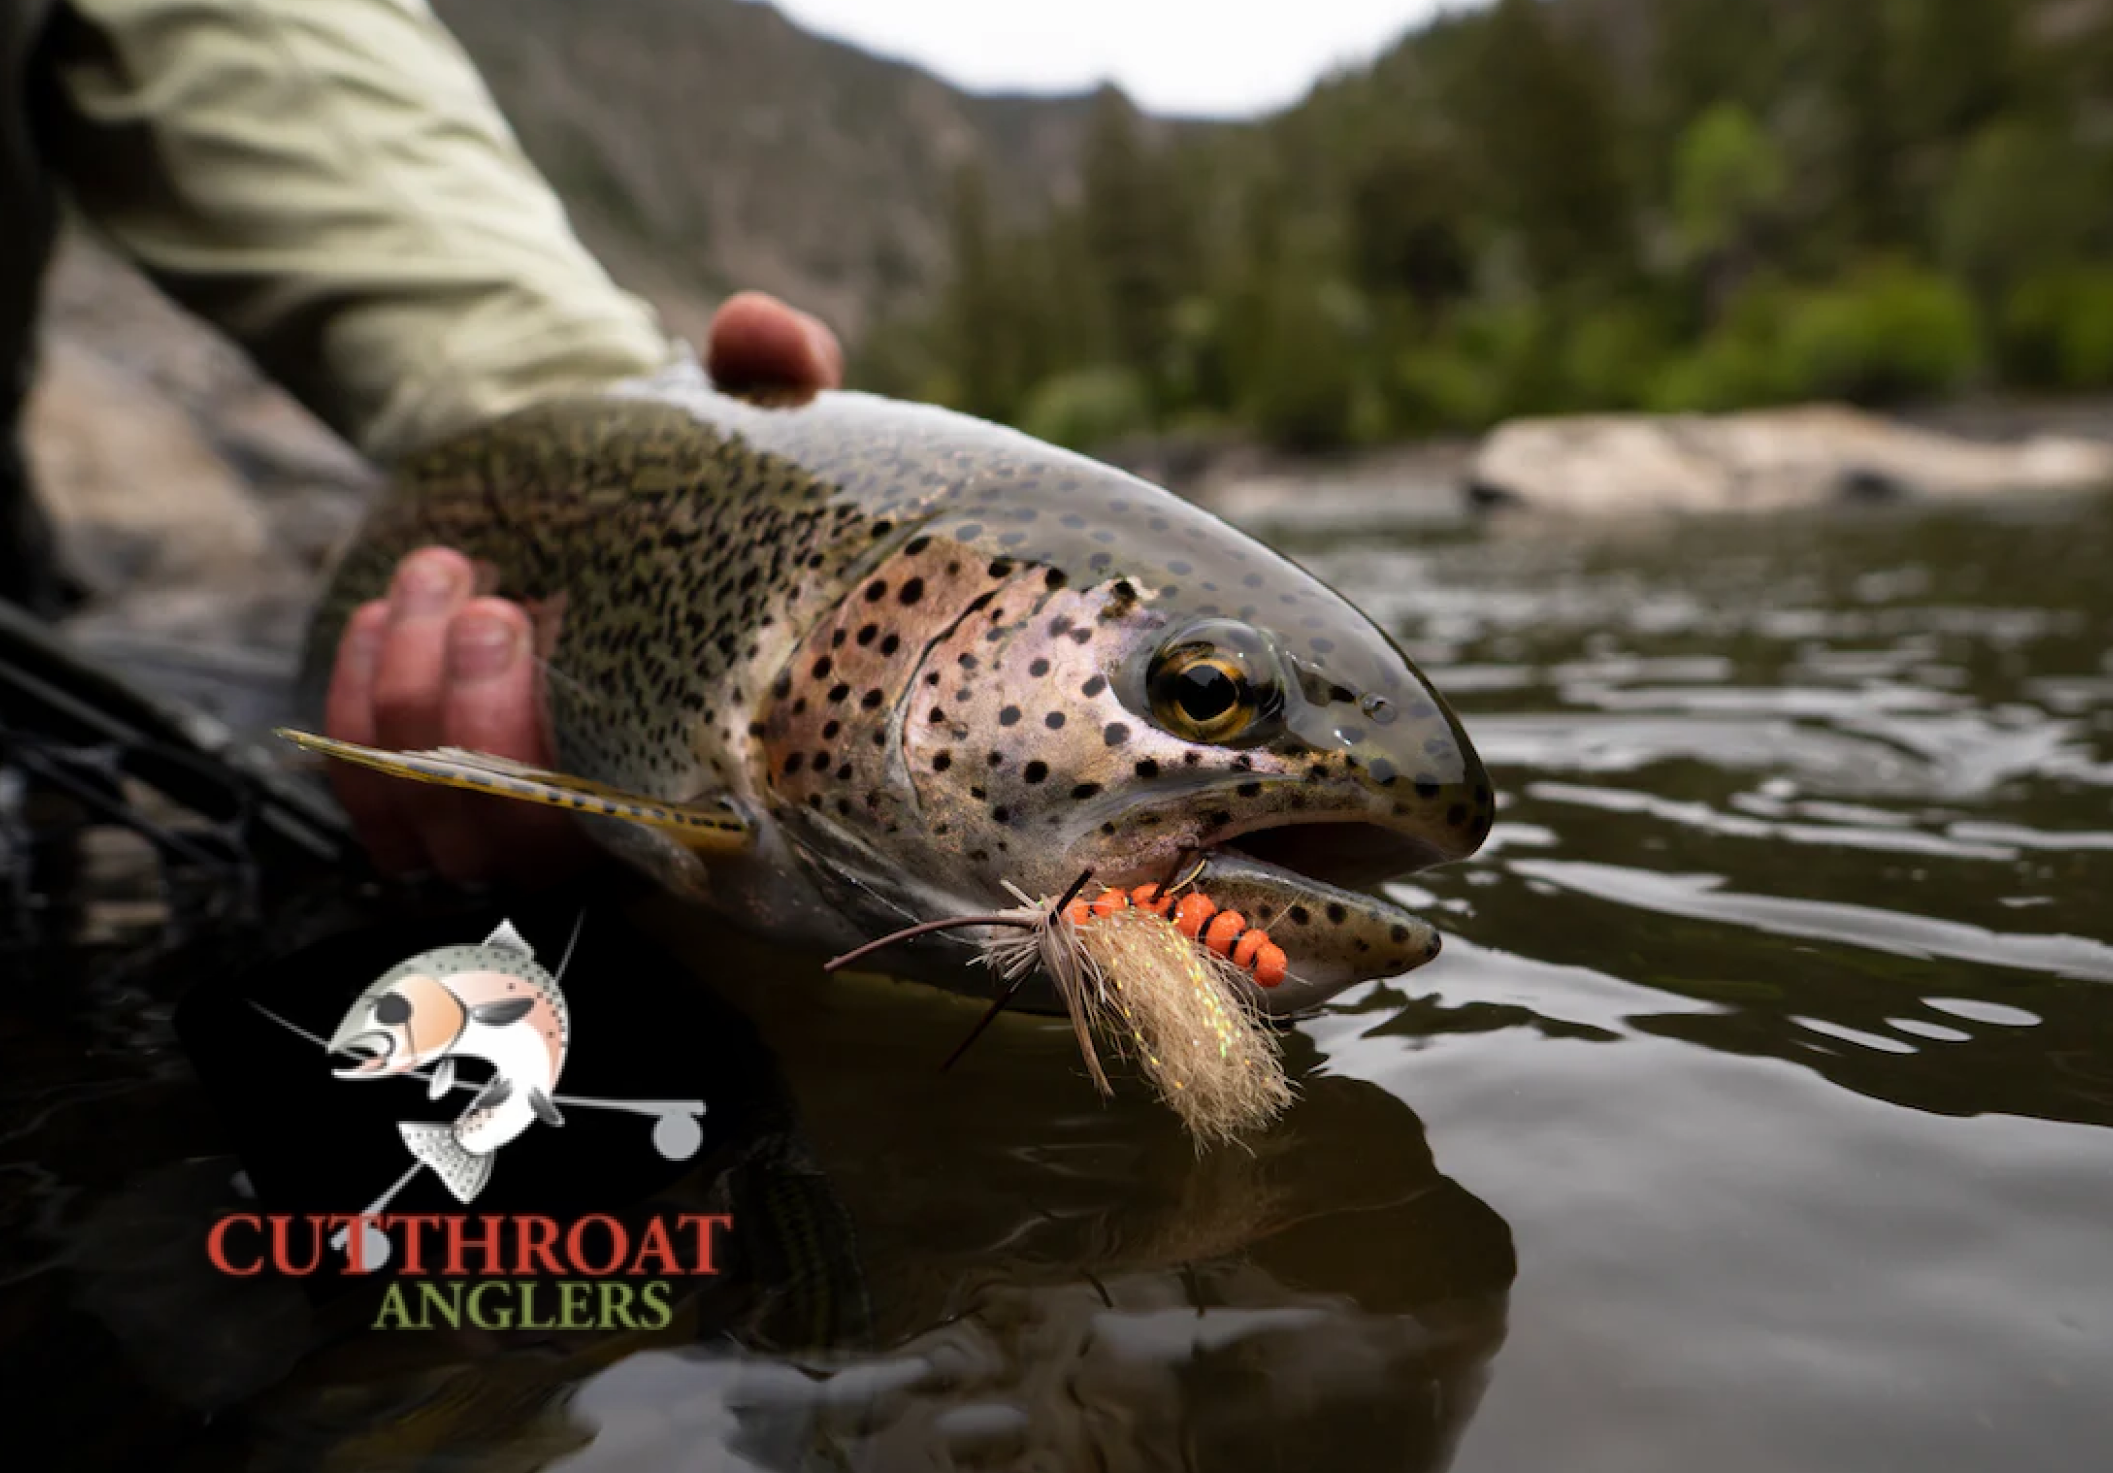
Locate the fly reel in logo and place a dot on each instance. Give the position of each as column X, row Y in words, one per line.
column 490, row 1004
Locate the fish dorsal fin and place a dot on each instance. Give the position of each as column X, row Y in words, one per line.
column 506, row 938
column 705, row 825
column 443, row 1078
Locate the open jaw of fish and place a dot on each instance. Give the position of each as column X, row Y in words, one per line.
column 841, row 666
column 371, row 1051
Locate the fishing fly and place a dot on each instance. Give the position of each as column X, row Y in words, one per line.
column 1162, row 975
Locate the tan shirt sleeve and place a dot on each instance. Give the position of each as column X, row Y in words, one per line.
column 330, row 183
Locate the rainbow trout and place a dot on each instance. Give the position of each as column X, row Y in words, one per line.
column 844, row 664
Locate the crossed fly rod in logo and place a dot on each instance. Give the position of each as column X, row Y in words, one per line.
column 489, row 1001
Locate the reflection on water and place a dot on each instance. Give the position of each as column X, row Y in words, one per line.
column 1756, row 1115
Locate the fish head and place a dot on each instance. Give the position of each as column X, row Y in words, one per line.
column 403, row 1022
column 1084, row 672
column 1149, row 738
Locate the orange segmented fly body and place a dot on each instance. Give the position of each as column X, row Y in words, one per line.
column 1196, row 916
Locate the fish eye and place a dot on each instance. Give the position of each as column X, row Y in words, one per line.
column 391, row 1009
column 1213, row 682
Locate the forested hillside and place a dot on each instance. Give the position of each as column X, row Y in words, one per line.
column 1564, row 204
column 704, row 145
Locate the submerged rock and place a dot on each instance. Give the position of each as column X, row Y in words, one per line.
column 1762, row 460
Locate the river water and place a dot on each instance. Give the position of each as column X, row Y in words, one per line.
column 1758, row 1114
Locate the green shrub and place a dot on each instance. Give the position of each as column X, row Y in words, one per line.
column 1887, row 333
column 2057, row 330
column 1087, row 407
column 1890, row 332
column 1724, row 373
column 1610, row 357
column 1443, row 389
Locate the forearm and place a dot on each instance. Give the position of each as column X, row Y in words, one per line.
column 330, row 183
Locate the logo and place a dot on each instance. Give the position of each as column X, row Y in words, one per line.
column 417, row 1135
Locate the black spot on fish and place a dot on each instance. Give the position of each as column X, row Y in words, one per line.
column 1055, row 578
column 1054, row 721
column 1035, row 772
column 911, row 592
column 1000, row 569
column 1249, row 790
column 1010, row 716
column 1456, row 815
column 1426, row 785
column 995, row 759
column 917, row 545
column 1115, row 733
column 1146, row 767
column 942, row 761
column 867, row 632
column 1085, row 790
column 1336, row 914
column 890, row 645
column 1001, row 814
column 871, row 698
column 1397, row 934
column 838, row 691
column 876, row 590
column 1094, row 685
column 1038, row 669
column 1300, row 916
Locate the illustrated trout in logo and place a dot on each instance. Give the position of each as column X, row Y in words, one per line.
column 489, row 1001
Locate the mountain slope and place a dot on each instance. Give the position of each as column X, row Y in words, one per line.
column 704, row 145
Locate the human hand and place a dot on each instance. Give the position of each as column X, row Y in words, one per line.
column 433, row 666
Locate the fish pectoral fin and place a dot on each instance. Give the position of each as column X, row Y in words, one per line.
column 499, row 1014
column 706, row 825
column 443, row 1079
column 546, row 1108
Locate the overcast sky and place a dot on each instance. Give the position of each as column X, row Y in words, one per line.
column 1228, row 58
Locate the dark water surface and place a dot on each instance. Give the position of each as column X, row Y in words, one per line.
column 1755, row 1117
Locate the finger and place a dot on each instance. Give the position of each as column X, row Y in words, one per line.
column 491, row 706
column 430, row 585
column 368, row 798
column 758, row 341
column 410, row 680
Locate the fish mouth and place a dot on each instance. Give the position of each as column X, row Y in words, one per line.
column 1306, row 881
column 1330, row 853
column 373, row 1050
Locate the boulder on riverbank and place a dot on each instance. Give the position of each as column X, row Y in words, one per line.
column 1763, row 460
